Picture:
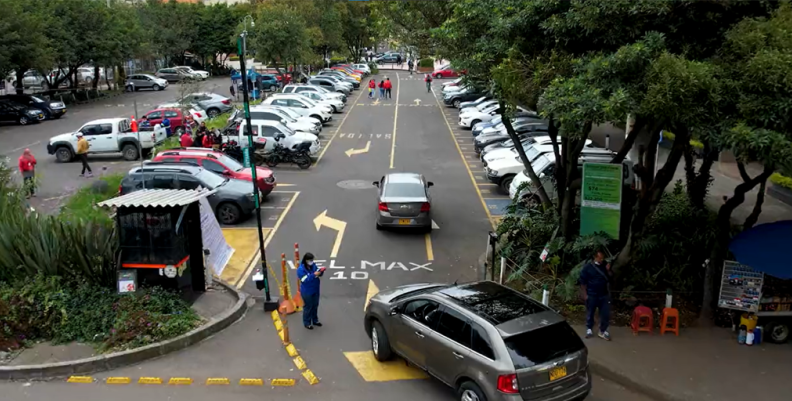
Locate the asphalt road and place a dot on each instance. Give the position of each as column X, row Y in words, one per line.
column 332, row 207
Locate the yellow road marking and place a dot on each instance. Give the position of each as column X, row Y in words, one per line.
column 180, row 381
column 217, row 380
column 354, row 151
column 80, row 379
column 149, row 380
column 340, row 226
column 251, row 382
column 395, row 118
column 245, row 244
column 429, row 250
column 269, row 238
column 324, row 150
column 372, row 370
column 372, row 291
column 470, row 173
column 118, row 380
column 308, row 375
column 282, row 382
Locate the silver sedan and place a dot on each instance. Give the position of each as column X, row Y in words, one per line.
column 404, row 201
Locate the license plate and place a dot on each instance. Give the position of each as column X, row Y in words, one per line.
column 405, row 221
column 558, row 373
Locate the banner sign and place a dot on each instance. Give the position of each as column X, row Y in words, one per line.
column 601, row 195
column 213, row 240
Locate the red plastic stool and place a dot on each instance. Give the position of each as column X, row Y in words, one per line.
column 642, row 320
column 670, row 316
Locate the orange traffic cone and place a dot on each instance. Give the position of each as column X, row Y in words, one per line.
column 298, row 301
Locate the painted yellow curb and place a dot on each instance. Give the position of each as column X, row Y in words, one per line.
column 149, row 380
column 251, row 382
column 217, row 381
column 282, row 382
column 291, row 350
column 118, row 380
column 180, row 380
column 300, row 363
column 80, row 379
column 308, row 375
column 278, row 325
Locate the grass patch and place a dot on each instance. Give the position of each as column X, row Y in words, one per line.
column 781, row 180
column 82, row 205
column 218, row 122
column 170, row 143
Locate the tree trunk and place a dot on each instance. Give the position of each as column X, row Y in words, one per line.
column 757, row 209
column 20, row 87
column 95, row 83
column 698, row 182
column 539, row 191
column 723, row 227
column 629, row 140
column 107, row 81
column 572, row 180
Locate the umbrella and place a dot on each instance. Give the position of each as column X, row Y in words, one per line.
column 766, row 248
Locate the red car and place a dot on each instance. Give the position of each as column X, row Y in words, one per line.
column 348, row 69
column 445, row 72
column 175, row 116
column 221, row 164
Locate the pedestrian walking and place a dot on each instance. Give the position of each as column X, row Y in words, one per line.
column 185, row 140
column 233, row 91
column 167, row 125
column 428, row 80
column 82, row 154
column 388, row 87
column 595, row 289
column 382, row 89
column 207, row 141
column 27, row 166
column 372, row 86
column 398, row 60
column 410, row 66
column 309, row 275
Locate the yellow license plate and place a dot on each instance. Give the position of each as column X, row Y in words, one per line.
column 558, row 373
column 405, row 221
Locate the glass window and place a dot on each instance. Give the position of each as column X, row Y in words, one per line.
column 188, row 182
column 405, row 189
column 280, row 102
column 190, row 160
column 288, row 89
column 454, row 326
column 481, row 341
column 209, row 179
column 213, row 166
column 303, row 89
column 230, row 163
column 297, row 103
column 91, row 130
column 171, row 113
column 169, row 159
column 542, row 345
column 268, row 131
column 154, row 115
column 423, row 311
column 162, row 182
column 106, row 129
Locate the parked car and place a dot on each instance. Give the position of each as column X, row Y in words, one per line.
column 23, row 115
column 455, row 82
column 456, row 98
column 264, row 132
column 346, row 69
column 176, row 117
column 299, row 88
column 233, row 199
column 522, row 129
column 315, row 124
column 473, row 103
column 271, row 113
column 174, row 75
column 327, row 83
column 219, row 163
column 146, row 81
column 108, row 135
column 362, row 67
column 445, row 72
column 336, row 104
column 404, row 201
column 204, row 75
column 302, row 105
column 213, row 103
column 389, row 58
column 51, row 109
column 468, row 118
column 31, row 78
column 340, row 76
column 481, row 126
column 487, row 341
column 269, row 82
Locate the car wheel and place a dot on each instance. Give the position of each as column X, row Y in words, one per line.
column 318, row 118
column 777, row 332
column 23, row 120
column 457, row 102
column 335, row 110
column 470, row 391
column 380, row 345
column 213, row 112
column 473, row 123
column 379, row 227
column 130, row 152
column 506, row 183
column 63, row 154
column 156, row 87
column 438, row 76
column 228, row 213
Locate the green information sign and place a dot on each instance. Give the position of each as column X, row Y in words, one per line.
column 600, row 207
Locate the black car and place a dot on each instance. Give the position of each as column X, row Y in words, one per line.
column 52, row 109
column 19, row 113
column 388, row 59
column 527, row 130
column 232, row 200
column 456, row 98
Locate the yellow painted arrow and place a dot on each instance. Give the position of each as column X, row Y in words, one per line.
column 338, row 225
column 353, row 151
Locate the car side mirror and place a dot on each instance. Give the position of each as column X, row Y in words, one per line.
column 394, row 310
column 430, row 184
column 376, row 184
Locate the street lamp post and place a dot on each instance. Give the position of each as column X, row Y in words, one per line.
column 269, row 303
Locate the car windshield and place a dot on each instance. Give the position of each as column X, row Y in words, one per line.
column 540, row 164
column 231, row 163
column 323, row 90
column 286, row 130
column 211, row 179
column 404, row 190
column 486, row 105
column 37, row 100
column 557, row 340
column 308, row 101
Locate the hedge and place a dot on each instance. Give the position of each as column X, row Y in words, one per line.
column 426, row 63
column 781, row 180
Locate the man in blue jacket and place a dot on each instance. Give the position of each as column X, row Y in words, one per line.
column 595, row 290
column 309, row 275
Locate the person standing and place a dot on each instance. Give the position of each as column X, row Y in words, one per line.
column 398, row 60
column 410, row 66
column 207, row 140
column 27, row 166
column 167, row 125
column 309, row 275
column 382, row 89
column 388, row 87
column 372, row 86
column 82, row 154
column 144, row 123
column 428, row 80
column 595, row 289
column 185, row 140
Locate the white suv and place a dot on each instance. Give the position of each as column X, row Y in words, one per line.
column 302, row 105
column 335, row 103
column 300, row 88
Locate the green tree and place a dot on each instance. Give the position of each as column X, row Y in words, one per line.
column 171, row 28
column 411, row 22
column 280, row 35
column 23, row 43
column 358, row 28
column 215, row 27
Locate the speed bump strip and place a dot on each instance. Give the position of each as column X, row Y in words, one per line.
column 300, row 363
column 80, row 379
column 282, row 382
column 180, row 380
column 150, row 380
column 118, row 380
column 275, row 315
column 281, row 335
column 291, row 350
column 278, row 325
column 308, row 375
column 251, row 382
column 217, row 381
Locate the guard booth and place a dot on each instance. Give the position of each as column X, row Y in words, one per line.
column 160, row 239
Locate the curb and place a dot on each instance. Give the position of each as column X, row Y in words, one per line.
column 124, row 358
column 629, row 383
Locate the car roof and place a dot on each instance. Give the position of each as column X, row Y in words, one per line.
column 210, row 154
column 404, row 178
column 495, row 303
column 106, row 120
column 165, row 167
column 264, row 122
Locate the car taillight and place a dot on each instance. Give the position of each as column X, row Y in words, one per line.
column 383, row 207
column 226, row 101
column 119, row 188
column 508, row 384
column 425, row 207
column 198, row 115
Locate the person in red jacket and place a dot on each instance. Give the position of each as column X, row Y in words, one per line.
column 207, row 141
column 387, row 85
column 372, row 88
column 27, row 166
column 185, row 140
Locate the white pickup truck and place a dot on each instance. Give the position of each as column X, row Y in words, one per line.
column 109, row 135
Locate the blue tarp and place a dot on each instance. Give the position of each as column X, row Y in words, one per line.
column 766, row 248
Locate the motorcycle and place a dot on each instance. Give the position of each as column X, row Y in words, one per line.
column 299, row 155
column 232, row 150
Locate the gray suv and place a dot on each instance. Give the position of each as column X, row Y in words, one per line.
column 485, row 340
column 232, row 200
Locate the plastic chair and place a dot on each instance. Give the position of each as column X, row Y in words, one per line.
column 670, row 316
column 642, row 320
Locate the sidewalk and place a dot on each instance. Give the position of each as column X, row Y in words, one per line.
column 701, row 364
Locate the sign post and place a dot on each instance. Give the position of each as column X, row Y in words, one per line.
column 600, row 208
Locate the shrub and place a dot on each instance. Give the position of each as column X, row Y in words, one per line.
column 781, row 180
column 82, row 205
column 374, row 69
column 426, row 63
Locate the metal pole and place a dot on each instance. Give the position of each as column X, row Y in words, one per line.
column 140, row 145
column 493, row 242
column 249, row 133
column 502, row 268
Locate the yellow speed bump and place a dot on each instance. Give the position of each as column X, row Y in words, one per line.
column 291, row 350
column 80, row 379
column 310, row 376
column 282, row 382
column 118, row 380
column 149, row 380
column 282, row 336
column 300, row 363
column 213, row 381
column 278, row 325
column 275, row 316
column 180, row 381
column 251, row 382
